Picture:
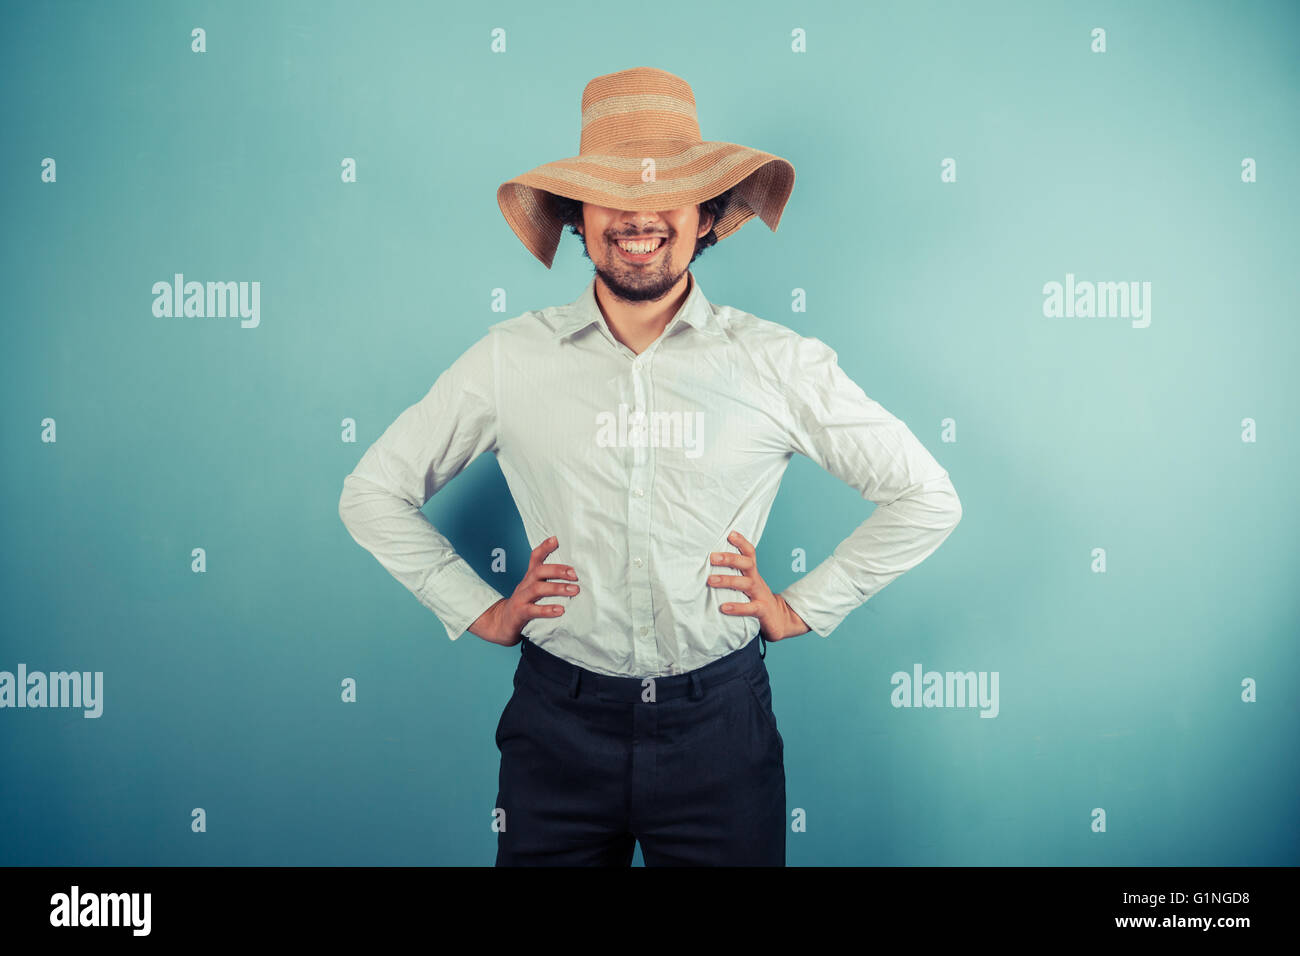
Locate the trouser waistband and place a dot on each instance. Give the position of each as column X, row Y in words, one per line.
column 691, row 684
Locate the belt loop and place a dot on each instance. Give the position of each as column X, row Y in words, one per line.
column 762, row 646
column 696, row 691
column 573, row 683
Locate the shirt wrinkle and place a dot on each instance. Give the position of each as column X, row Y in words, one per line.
column 545, row 395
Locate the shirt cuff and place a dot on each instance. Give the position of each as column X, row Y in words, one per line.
column 458, row 596
column 823, row 597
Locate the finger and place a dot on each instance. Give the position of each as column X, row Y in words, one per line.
column 738, row 540
column 754, row 587
column 554, row 571
column 540, row 589
column 546, row 588
column 746, row 593
column 749, row 609
column 542, row 550
column 750, row 593
column 542, row 610
column 727, row 559
column 736, row 582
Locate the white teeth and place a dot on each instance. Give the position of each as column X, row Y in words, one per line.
column 644, row 246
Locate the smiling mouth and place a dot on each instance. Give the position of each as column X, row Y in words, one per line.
column 640, row 250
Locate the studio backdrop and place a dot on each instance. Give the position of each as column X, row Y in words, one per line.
column 1058, row 241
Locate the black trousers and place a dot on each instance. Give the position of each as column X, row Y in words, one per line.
column 691, row 766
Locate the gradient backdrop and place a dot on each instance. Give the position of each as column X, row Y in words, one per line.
column 1160, row 690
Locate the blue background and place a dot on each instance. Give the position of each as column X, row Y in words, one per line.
column 1119, row 690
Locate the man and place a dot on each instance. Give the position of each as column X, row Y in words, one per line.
column 643, row 432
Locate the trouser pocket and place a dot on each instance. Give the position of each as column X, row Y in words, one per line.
column 760, row 690
column 505, row 726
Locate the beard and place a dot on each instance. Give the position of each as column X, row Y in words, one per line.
column 637, row 283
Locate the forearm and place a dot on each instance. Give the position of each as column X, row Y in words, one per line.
column 416, row 553
column 896, row 537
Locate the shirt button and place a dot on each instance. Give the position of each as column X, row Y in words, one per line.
column 645, row 631
column 637, row 562
column 638, row 492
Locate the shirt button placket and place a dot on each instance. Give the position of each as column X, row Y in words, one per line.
column 645, row 648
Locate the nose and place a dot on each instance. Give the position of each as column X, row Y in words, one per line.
column 643, row 223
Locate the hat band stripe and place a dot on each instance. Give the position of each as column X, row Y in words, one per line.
column 635, row 103
column 692, row 155
column 607, row 131
column 569, row 176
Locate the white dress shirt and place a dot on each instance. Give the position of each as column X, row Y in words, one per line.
column 639, row 503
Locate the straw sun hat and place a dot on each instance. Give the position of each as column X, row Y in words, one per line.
column 629, row 118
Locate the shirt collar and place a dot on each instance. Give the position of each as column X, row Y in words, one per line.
column 585, row 311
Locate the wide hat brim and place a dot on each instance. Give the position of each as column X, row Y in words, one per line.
column 683, row 173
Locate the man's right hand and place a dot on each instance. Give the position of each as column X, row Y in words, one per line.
column 503, row 623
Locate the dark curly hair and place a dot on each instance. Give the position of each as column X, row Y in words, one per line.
column 569, row 212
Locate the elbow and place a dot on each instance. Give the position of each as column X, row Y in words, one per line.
column 933, row 505
column 954, row 506
column 942, row 506
column 346, row 499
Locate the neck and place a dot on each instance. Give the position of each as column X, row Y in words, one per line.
column 638, row 324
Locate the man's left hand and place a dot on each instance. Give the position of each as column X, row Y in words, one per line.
column 776, row 619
